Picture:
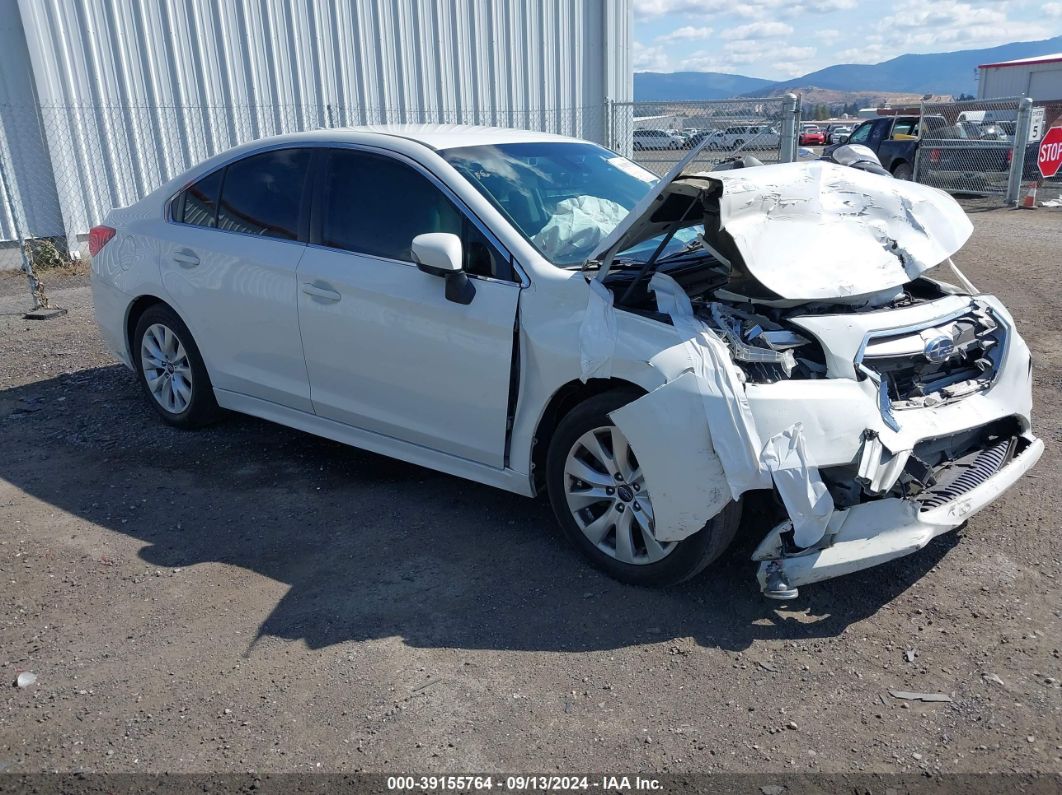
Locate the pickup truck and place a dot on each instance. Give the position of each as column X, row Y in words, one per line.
column 961, row 157
column 894, row 139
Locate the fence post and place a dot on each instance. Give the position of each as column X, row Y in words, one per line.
column 41, row 308
column 790, row 128
column 917, row 165
column 1021, row 141
column 608, row 123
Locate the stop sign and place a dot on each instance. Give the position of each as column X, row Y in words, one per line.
column 1050, row 158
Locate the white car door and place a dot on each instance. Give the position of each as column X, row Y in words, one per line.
column 228, row 264
column 385, row 350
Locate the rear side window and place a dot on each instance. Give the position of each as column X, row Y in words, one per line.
column 376, row 205
column 905, row 127
column 200, row 206
column 263, row 194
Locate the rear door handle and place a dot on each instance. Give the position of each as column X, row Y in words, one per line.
column 186, row 258
column 321, row 293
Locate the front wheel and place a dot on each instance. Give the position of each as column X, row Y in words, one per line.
column 171, row 370
column 601, row 499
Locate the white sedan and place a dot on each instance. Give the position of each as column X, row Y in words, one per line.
column 537, row 313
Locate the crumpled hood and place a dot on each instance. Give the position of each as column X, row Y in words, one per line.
column 808, row 231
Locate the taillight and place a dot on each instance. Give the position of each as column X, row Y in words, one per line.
column 934, row 156
column 1010, row 156
column 99, row 236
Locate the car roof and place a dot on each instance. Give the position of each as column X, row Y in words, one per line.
column 433, row 136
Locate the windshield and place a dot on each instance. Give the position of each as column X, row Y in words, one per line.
column 564, row 197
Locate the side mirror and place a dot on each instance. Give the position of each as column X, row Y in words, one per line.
column 440, row 254
column 437, row 253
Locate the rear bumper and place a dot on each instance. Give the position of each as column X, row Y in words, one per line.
column 111, row 307
column 875, row 532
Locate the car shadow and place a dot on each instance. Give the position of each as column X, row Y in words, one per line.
column 372, row 547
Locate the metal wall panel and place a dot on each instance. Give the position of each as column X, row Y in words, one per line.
column 1038, row 81
column 132, row 92
column 28, row 203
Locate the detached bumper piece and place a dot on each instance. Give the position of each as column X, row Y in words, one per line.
column 881, row 530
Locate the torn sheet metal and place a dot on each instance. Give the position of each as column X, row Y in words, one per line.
column 683, row 475
column 725, row 406
column 803, row 493
column 814, row 231
column 597, row 334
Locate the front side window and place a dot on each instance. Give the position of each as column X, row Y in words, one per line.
column 376, row 205
column 563, row 197
column 861, row 134
column 263, row 194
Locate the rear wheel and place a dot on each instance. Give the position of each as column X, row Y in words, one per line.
column 903, row 171
column 601, row 499
column 171, row 370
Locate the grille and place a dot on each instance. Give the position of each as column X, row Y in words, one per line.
column 913, row 380
column 967, row 473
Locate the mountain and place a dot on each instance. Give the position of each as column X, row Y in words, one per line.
column 934, row 73
column 950, row 73
column 657, row 86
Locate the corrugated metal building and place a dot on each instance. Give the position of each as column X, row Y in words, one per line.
column 102, row 100
column 1039, row 78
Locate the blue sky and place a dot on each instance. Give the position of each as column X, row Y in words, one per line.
column 779, row 39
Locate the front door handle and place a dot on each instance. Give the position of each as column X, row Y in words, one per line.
column 321, row 293
column 185, row 257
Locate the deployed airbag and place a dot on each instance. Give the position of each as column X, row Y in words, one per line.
column 577, row 225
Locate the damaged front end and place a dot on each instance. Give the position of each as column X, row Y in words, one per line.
column 816, row 358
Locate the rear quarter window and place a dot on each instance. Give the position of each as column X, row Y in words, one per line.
column 199, row 205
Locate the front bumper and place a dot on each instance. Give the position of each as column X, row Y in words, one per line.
column 844, row 427
column 875, row 532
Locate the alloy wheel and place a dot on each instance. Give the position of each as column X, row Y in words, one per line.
column 167, row 371
column 607, row 497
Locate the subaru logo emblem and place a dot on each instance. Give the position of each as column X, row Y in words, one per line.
column 939, row 349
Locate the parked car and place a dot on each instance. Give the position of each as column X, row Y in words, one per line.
column 697, row 137
column 536, row 313
column 812, row 135
column 656, row 139
column 748, row 136
column 973, row 158
column 838, row 135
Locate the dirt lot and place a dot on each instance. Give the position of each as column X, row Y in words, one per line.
column 252, row 598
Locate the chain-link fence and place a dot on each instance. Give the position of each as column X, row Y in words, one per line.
column 975, row 148
column 659, row 134
column 62, row 168
column 1044, row 115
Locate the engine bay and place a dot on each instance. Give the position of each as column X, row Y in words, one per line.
column 757, row 327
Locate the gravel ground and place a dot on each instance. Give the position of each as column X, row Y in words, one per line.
column 252, row 598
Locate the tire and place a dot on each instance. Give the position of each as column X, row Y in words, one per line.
column 173, row 378
column 903, row 171
column 653, row 563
